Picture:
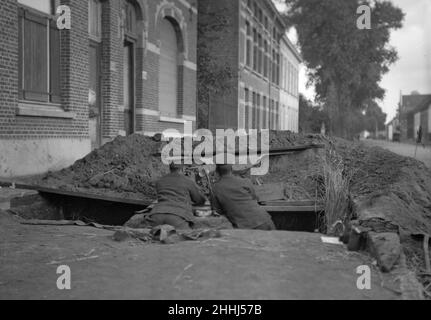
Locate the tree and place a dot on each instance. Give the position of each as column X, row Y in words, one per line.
column 311, row 117
column 214, row 77
column 374, row 118
column 344, row 63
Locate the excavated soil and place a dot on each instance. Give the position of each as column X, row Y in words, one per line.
column 383, row 183
column 125, row 167
column 389, row 186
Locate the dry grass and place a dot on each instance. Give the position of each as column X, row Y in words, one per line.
column 336, row 193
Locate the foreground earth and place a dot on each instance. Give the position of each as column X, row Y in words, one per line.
column 240, row 265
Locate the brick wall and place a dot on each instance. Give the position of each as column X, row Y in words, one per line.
column 8, row 66
column 185, row 19
column 74, row 63
column 74, row 69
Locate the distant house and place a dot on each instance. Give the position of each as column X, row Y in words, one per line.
column 393, row 129
column 415, row 111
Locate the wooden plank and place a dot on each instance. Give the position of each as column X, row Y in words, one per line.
column 289, row 206
column 77, row 194
column 290, row 203
column 293, row 209
column 270, row 192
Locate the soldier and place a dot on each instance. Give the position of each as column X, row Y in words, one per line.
column 235, row 198
column 175, row 195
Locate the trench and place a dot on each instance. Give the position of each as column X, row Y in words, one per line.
column 45, row 206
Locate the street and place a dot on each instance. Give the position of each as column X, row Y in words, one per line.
column 404, row 149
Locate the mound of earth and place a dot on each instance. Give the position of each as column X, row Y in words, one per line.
column 388, row 186
column 126, row 167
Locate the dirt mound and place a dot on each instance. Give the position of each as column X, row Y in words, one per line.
column 125, row 167
column 388, row 185
column 128, row 166
column 285, row 139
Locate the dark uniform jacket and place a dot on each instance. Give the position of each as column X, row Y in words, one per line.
column 175, row 195
column 236, row 199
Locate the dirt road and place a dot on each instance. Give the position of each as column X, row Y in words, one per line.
column 240, row 265
column 404, row 149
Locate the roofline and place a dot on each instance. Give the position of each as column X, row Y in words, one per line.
column 285, row 38
column 293, row 48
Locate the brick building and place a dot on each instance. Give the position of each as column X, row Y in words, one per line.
column 249, row 36
column 124, row 66
column 415, row 111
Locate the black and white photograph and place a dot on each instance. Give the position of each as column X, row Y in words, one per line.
column 216, row 155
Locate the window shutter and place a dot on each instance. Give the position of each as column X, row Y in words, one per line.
column 35, row 58
column 20, row 54
column 55, row 64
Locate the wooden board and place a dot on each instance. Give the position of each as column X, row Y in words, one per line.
column 77, row 194
column 287, row 209
column 276, row 206
column 270, row 192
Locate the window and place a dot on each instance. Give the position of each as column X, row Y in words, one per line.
column 129, row 18
column 168, row 69
column 257, row 124
column 265, row 60
column 277, row 116
column 264, row 126
column 277, row 79
column 253, row 110
column 274, row 66
column 246, row 113
column 255, row 50
column 260, row 62
column 95, row 19
column 271, row 111
column 248, row 48
column 39, row 53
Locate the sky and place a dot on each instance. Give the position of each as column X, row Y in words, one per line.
column 412, row 72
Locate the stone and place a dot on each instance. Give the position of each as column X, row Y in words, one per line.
column 136, row 222
column 121, row 235
column 386, row 248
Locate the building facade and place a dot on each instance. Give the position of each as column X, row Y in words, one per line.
column 415, row 111
column 123, row 67
column 252, row 41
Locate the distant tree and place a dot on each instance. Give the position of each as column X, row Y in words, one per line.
column 311, row 117
column 344, row 63
column 374, row 118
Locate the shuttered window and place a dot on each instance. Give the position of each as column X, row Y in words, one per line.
column 39, row 57
column 168, row 70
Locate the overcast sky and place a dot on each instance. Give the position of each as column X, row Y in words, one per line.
column 412, row 72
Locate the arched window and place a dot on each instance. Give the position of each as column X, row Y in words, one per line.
column 168, row 69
